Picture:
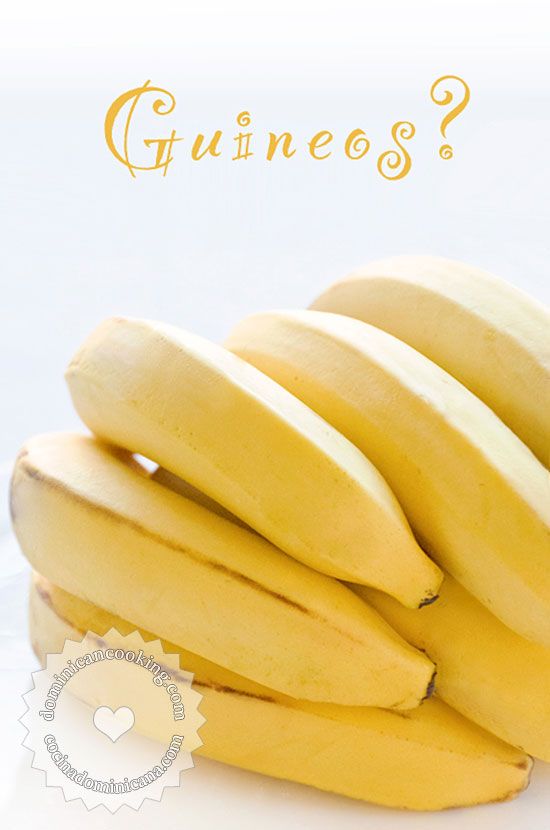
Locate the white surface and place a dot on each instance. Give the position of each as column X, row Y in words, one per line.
column 214, row 241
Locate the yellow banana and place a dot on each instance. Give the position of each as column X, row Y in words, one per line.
column 241, row 439
column 480, row 660
column 427, row 759
column 477, row 498
column 485, row 670
column 98, row 526
column 489, row 335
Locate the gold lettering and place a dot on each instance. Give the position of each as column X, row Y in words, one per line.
column 161, row 106
column 274, row 141
column 357, row 145
column 320, row 139
column 243, row 139
column 197, row 154
column 395, row 164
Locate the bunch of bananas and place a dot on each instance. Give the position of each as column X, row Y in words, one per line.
column 345, row 499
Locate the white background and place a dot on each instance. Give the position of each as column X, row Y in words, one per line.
column 218, row 239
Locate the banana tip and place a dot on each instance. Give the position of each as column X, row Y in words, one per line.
column 431, row 686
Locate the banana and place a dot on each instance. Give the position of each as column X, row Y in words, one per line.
column 93, row 522
column 477, row 498
column 427, row 759
column 487, row 672
column 489, row 335
column 480, row 661
column 245, row 442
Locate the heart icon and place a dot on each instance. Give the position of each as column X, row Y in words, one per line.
column 113, row 724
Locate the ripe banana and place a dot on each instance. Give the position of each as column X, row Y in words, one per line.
column 485, row 670
column 489, row 335
column 426, row 759
column 477, row 498
column 479, row 659
column 98, row 526
column 241, row 439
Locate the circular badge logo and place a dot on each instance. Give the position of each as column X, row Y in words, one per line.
column 112, row 720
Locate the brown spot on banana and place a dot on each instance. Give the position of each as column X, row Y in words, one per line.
column 428, row 600
column 431, row 686
column 218, row 687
